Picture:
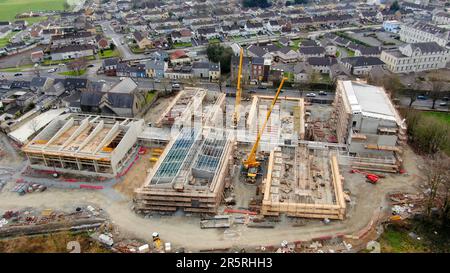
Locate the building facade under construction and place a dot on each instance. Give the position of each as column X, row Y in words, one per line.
column 190, row 175
column 85, row 145
column 368, row 123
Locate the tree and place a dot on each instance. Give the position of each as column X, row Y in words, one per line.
column 436, row 175
column 78, row 64
column 392, row 84
column 218, row 54
column 437, row 86
column 256, row 3
column 313, row 77
column 66, row 5
column 112, row 46
column 395, row 6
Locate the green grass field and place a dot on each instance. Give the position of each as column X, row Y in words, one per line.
column 108, row 53
column 73, row 73
column 445, row 117
column 4, row 41
column 9, row 8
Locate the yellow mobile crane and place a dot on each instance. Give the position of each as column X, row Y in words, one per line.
column 251, row 164
column 236, row 114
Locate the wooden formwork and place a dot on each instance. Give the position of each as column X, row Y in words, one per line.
column 193, row 199
column 330, row 211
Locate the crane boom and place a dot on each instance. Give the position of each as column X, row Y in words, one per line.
column 236, row 114
column 251, row 159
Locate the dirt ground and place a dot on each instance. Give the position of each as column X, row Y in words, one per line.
column 159, row 106
column 184, row 231
column 51, row 243
column 136, row 176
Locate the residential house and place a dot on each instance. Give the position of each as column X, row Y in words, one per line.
column 73, row 84
column 123, row 100
column 441, row 18
column 37, row 56
column 231, row 30
column 252, row 28
column 273, row 26
column 416, row 57
column 306, row 52
column 182, row 36
column 361, row 65
column 179, row 72
column 110, row 66
column 72, row 38
column 207, row 33
column 179, row 57
column 142, row 41
column 302, row 72
column 55, row 90
column 200, row 69
column 102, row 42
column 254, row 69
column 392, row 26
column 40, row 84
column 321, row 65
column 214, row 71
column 72, row 52
column 373, row 51
column 133, row 71
column 155, row 68
column 286, row 55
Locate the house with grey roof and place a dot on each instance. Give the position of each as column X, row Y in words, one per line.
column 306, row 52
column 40, row 84
column 123, row 99
column 155, row 68
column 361, row 65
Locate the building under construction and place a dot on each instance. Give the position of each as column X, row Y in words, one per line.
column 192, row 105
column 85, row 144
column 303, row 181
column 368, row 123
column 190, row 175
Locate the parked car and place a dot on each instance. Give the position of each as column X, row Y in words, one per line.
column 443, row 104
column 18, row 74
column 421, row 97
column 91, row 65
column 52, row 70
column 311, row 95
column 322, row 93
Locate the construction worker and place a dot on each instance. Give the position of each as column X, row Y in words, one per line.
column 156, row 241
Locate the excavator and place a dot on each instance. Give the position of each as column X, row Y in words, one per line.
column 251, row 164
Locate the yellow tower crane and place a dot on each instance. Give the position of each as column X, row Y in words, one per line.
column 251, row 164
column 236, row 114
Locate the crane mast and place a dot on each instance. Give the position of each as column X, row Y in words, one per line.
column 236, row 114
column 251, row 161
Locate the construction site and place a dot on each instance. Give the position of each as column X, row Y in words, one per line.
column 84, row 144
column 262, row 155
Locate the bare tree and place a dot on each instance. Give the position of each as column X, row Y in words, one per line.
column 435, row 175
column 445, row 194
column 78, row 64
column 34, row 125
column 437, row 87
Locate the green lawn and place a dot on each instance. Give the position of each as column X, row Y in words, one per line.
column 16, row 69
column 445, row 117
column 180, row 45
column 9, row 8
column 4, row 41
column 214, row 41
column 149, row 96
column 108, row 53
column 396, row 241
column 289, row 76
column 73, row 73
column 295, row 44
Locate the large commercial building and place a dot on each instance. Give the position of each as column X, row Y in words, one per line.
column 416, row 57
column 85, row 145
column 368, row 123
